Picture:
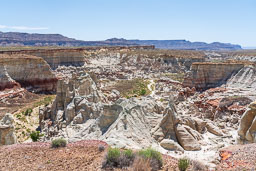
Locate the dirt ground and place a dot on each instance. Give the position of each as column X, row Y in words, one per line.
column 15, row 99
column 238, row 158
column 82, row 155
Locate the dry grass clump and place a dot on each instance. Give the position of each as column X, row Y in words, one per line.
column 148, row 159
column 115, row 158
column 59, row 142
column 183, row 164
column 141, row 164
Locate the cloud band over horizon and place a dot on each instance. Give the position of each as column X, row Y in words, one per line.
column 23, row 27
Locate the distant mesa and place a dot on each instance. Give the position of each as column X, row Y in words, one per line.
column 26, row 39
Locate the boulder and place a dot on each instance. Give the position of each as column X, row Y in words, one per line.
column 247, row 127
column 7, row 135
column 187, row 141
column 169, row 144
column 213, row 129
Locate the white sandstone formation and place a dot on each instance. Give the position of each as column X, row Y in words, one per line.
column 247, row 127
column 7, row 135
column 80, row 111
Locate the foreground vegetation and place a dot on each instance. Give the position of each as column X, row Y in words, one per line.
column 59, row 142
column 148, row 159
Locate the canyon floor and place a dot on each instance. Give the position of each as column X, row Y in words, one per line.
column 181, row 103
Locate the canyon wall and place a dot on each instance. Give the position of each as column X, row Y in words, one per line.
column 29, row 71
column 54, row 57
column 5, row 79
column 66, row 56
column 208, row 75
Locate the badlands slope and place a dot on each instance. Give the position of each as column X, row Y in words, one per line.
column 181, row 103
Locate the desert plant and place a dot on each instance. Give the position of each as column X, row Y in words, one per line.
column 183, row 164
column 155, row 157
column 143, row 92
column 59, row 142
column 126, row 158
column 141, row 164
column 35, row 135
column 117, row 158
column 128, row 153
column 113, row 155
column 28, row 112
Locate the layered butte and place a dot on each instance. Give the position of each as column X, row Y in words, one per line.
column 55, row 57
column 29, row 71
column 204, row 75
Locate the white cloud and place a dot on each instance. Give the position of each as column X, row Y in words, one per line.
column 22, row 28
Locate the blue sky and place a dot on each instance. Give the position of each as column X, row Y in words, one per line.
column 232, row 21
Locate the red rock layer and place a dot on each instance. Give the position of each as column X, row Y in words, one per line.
column 29, row 71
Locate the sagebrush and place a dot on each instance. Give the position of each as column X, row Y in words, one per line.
column 59, row 142
column 183, row 164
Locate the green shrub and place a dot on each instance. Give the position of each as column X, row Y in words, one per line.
column 155, row 157
column 144, row 159
column 113, row 155
column 128, row 153
column 35, row 135
column 59, row 142
column 151, row 154
column 28, row 112
column 183, row 164
column 115, row 158
column 143, row 92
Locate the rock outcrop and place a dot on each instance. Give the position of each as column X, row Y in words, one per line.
column 186, row 138
column 58, row 57
column 166, row 128
column 7, row 135
column 79, row 112
column 5, row 79
column 209, row 75
column 30, row 72
column 247, row 127
column 170, row 145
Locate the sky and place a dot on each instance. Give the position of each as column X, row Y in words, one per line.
column 228, row 21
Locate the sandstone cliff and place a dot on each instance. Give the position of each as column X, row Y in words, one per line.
column 66, row 56
column 208, row 75
column 57, row 57
column 5, row 79
column 29, row 71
